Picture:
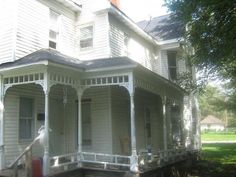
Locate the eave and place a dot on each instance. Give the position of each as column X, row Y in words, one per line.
column 74, row 5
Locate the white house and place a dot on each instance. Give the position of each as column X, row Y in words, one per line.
column 101, row 85
column 212, row 123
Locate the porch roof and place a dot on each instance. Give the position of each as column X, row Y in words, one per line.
column 47, row 56
column 50, row 57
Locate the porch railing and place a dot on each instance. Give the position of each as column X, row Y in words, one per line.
column 98, row 160
column 110, row 161
column 105, row 159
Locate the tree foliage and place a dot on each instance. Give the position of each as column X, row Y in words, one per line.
column 212, row 102
column 211, row 31
column 211, row 26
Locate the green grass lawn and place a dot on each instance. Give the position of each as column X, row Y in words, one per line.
column 214, row 136
column 220, row 152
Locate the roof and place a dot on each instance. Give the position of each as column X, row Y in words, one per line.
column 210, row 119
column 48, row 56
column 163, row 27
column 56, row 57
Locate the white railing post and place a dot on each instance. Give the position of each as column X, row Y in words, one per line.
column 164, row 125
column 46, row 160
column 79, row 95
column 134, row 157
column 2, row 151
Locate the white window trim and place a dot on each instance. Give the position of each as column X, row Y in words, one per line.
column 87, row 49
column 58, row 32
column 20, row 140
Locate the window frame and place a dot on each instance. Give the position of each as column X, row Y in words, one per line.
column 56, row 30
column 172, row 68
column 22, row 139
column 92, row 38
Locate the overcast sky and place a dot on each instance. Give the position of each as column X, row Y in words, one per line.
column 142, row 9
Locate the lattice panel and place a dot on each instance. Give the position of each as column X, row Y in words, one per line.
column 114, row 80
column 29, row 78
column 67, row 80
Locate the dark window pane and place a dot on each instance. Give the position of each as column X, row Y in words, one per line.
column 52, row 44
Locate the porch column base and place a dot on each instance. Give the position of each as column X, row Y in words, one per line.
column 2, row 157
column 79, row 164
column 134, row 163
column 46, row 164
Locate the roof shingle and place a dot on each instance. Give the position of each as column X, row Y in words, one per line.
column 163, row 28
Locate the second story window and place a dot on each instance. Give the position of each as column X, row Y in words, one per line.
column 54, row 29
column 86, row 37
column 172, row 65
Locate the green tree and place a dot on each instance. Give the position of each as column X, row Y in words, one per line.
column 211, row 26
column 211, row 31
column 211, row 102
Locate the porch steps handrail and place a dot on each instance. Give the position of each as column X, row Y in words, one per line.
column 27, row 149
column 28, row 153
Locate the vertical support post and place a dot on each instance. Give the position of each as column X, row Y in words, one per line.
column 2, row 151
column 46, row 161
column 182, row 129
column 164, row 123
column 79, row 94
column 134, row 156
column 28, row 163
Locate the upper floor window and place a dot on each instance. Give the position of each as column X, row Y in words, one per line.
column 172, row 65
column 54, row 29
column 126, row 44
column 26, row 119
column 86, row 37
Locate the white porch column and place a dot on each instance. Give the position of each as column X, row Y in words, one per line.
column 79, row 94
column 164, row 123
column 2, row 151
column 134, row 156
column 46, row 160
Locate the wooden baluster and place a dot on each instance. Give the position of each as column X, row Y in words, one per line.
column 28, row 163
column 15, row 170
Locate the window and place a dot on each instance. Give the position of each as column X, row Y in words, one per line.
column 26, row 119
column 126, row 44
column 86, row 37
column 172, row 67
column 86, row 122
column 54, row 29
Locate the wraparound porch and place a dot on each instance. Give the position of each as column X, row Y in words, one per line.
column 131, row 88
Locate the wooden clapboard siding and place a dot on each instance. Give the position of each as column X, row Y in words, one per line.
column 62, row 121
column 63, row 128
column 145, row 100
column 8, row 12
column 138, row 48
column 101, row 119
column 100, row 47
column 120, row 120
column 33, row 27
column 12, row 145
